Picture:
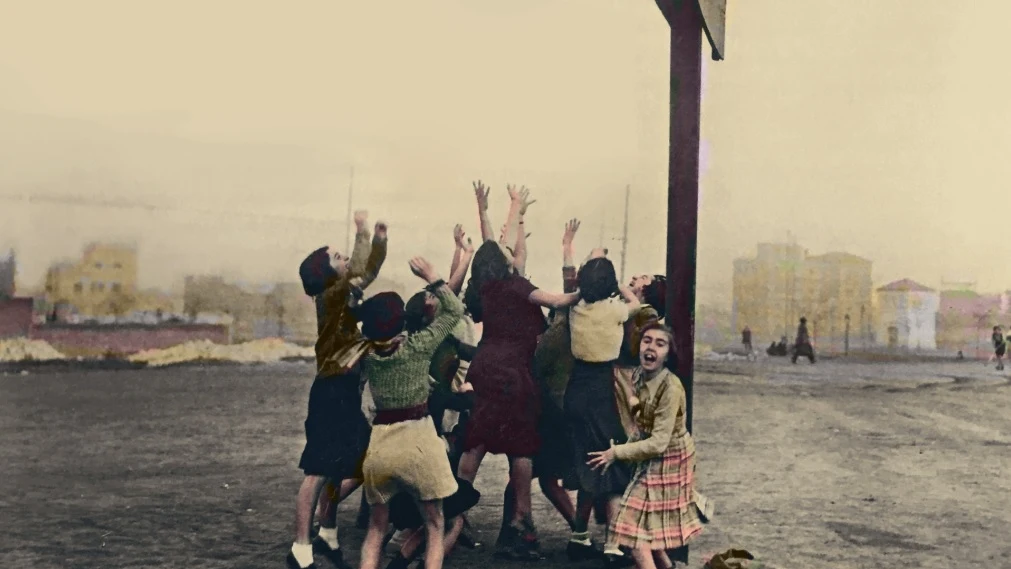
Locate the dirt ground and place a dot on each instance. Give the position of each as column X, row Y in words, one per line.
column 837, row 465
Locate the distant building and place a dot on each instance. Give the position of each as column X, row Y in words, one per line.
column 966, row 318
column 102, row 283
column 907, row 316
column 782, row 283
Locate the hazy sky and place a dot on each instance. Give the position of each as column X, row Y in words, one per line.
column 876, row 127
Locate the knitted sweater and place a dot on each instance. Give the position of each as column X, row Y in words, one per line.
column 400, row 380
column 336, row 325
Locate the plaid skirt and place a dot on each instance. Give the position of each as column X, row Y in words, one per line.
column 658, row 509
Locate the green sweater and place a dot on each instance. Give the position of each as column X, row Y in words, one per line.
column 400, row 380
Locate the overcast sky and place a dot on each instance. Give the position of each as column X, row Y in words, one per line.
column 211, row 130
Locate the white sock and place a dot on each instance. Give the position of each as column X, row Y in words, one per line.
column 581, row 537
column 302, row 553
column 329, row 536
column 613, row 551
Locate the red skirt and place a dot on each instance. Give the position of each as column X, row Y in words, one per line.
column 507, row 402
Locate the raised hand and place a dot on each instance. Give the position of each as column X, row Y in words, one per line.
column 381, row 229
column 570, row 231
column 361, row 216
column 514, row 194
column 481, row 194
column 525, row 201
column 468, row 247
column 458, row 236
column 423, row 269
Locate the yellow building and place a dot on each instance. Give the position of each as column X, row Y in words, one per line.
column 102, row 283
column 782, row 283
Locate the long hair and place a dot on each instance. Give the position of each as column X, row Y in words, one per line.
column 597, row 280
column 489, row 265
column 655, row 295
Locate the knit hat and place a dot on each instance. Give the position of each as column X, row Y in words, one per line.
column 382, row 316
column 315, row 271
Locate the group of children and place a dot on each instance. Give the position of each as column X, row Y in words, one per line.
column 406, row 405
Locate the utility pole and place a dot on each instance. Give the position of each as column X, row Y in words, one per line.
column 351, row 187
column 624, row 233
column 687, row 20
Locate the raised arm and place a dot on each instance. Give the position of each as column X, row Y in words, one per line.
column 631, row 300
column 570, row 278
column 376, row 258
column 516, row 204
column 481, row 194
column 554, row 300
column 461, row 260
column 363, row 244
column 448, row 313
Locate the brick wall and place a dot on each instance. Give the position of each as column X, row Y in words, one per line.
column 15, row 317
column 88, row 339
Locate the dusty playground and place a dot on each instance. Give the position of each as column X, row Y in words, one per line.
column 838, row 465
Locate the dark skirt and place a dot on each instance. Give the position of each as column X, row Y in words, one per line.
column 592, row 416
column 336, row 432
column 554, row 461
column 404, row 512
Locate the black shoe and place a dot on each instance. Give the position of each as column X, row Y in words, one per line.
column 615, row 561
column 334, row 556
column 465, row 540
column 576, row 551
column 293, row 563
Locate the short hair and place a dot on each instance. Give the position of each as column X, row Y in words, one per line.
column 597, row 280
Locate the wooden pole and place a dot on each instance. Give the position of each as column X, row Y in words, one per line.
column 683, row 184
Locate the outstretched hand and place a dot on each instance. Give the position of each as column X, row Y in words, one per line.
column 462, row 241
column 361, row 216
column 570, row 231
column 423, row 269
column 481, row 194
column 381, row 229
column 525, row 201
column 601, row 460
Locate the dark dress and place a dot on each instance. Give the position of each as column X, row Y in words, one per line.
column 591, row 412
column 507, row 400
column 336, row 432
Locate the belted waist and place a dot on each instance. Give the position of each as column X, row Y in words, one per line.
column 392, row 416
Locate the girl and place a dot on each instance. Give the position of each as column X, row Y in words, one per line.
column 506, row 399
column 336, row 432
column 405, row 453
column 659, row 510
column 596, row 328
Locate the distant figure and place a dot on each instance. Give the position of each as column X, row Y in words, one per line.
column 960, row 356
column 803, row 347
column 746, row 340
column 779, row 349
column 999, row 346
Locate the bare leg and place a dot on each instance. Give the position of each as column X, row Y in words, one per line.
column 469, row 463
column 435, row 529
column 662, row 560
column 613, row 504
column 521, row 479
column 305, row 505
column 331, row 497
column 452, row 534
column 372, row 547
column 559, row 498
column 643, row 558
column 584, row 509
column 411, row 544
